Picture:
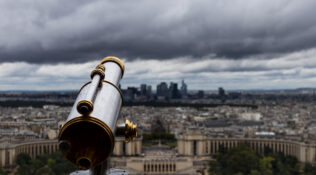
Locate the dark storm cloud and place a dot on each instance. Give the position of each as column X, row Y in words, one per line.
column 74, row 31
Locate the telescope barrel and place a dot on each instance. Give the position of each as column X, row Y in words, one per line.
column 113, row 72
column 87, row 137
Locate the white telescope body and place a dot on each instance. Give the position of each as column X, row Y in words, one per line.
column 87, row 137
column 107, row 100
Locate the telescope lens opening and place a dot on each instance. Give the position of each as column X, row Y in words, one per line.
column 84, row 163
column 84, row 109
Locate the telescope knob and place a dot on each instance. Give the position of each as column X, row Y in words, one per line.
column 127, row 129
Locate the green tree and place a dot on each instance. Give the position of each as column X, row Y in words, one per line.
column 254, row 172
column 285, row 165
column 22, row 159
column 246, row 161
column 309, row 169
column 241, row 159
column 53, row 164
column 2, row 172
column 215, row 168
column 265, row 165
column 44, row 171
column 238, row 174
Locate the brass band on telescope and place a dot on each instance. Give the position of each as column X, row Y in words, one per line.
column 100, row 66
column 118, row 89
column 92, row 120
column 115, row 60
column 99, row 72
column 105, row 81
column 99, row 69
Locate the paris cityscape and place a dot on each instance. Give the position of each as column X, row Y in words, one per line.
column 192, row 124
column 204, row 87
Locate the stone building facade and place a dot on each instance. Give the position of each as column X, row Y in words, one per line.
column 199, row 144
column 155, row 160
column 192, row 155
column 9, row 150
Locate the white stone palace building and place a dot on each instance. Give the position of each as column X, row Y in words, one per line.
column 191, row 156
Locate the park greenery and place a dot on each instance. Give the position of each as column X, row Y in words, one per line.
column 159, row 134
column 53, row 164
column 156, row 137
column 243, row 160
column 3, row 172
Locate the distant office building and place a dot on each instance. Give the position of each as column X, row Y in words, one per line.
column 221, row 92
column 162, row 89
column 149, row 91
column 173, row 90
column 143, row 89
column 130, row 93
column 200, row 94
column 184, row 89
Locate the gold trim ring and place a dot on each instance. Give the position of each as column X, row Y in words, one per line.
column 115, row 60
column 99, row 72
column 118, row 89
column 91, row 150
column 91, row 120
column 105, row 81
column 100, row 66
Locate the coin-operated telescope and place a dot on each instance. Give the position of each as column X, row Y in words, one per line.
column 88, row 136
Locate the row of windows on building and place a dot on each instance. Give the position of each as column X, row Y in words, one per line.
column 212, row 147
column 31, row 149
column 159, row 167
column 37, row 149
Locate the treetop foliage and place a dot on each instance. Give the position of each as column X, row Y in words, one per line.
column 53, row 164
column 243, row 160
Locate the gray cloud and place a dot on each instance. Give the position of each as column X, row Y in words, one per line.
column 288, row 71
column 78, row 31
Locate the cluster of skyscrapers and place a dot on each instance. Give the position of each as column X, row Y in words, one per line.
column 163, row 91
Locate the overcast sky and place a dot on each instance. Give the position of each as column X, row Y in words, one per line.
column 236, row 44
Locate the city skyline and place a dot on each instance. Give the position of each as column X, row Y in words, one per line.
column 178, row 82
column 210, row 44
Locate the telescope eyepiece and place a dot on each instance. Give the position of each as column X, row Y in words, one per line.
column 85, row 107
column 83, row 163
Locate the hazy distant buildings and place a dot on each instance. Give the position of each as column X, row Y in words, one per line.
column 162, row 90
column 221, row 92
column 173, row 90
column 200, row 94
column 169, row 92
column 143, row 89
column 130, row 93
column 149, row 91
column 184, row 89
